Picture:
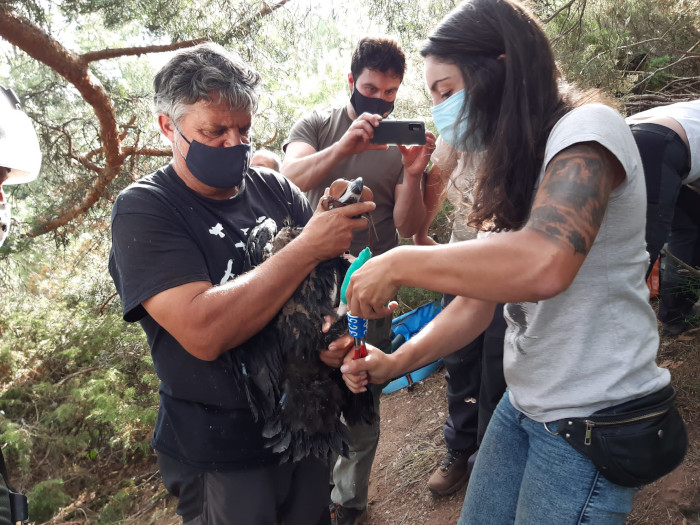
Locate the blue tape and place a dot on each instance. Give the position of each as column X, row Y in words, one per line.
column 357, row 326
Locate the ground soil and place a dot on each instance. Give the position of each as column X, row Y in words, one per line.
column 411, row 447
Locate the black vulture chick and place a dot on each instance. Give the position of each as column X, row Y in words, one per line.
column 298, row 397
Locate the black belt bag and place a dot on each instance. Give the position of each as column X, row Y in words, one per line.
column 634, row 443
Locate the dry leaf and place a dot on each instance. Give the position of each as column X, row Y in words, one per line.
column 671, row 365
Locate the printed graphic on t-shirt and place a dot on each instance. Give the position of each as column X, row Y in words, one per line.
column 228, row 274
column 217, row 230
column 240, row 248
column 518, row 316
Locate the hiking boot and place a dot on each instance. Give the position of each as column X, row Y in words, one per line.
column 452, row 473
column 346, row 516
column 674, row 329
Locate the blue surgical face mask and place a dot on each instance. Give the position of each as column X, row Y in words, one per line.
column 376, row 106
column 222, row 168
column 452, row 126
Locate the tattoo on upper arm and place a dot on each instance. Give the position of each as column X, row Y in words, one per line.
column 571, row 201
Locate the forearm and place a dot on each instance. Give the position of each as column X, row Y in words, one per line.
column 308, row 171
column 216, row 319
column 409, row 209
column 261, row 294
column 460, row 323
column 507, row 267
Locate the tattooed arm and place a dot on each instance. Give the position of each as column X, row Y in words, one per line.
column 535, row 263
column 571, row 201
column 570, row 204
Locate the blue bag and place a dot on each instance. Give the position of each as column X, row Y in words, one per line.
column 403, row 328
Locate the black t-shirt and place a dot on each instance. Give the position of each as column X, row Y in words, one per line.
column 165, row 235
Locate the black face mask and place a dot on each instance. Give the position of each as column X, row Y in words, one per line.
column 222, row 168
column 375, row 106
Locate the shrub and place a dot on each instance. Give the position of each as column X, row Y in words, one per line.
column 46, row 498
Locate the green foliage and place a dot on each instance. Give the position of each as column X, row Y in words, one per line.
column 18, row 443
column 46, row 498
column 79, row 383
column 621, row 46
column 411, row 298
column 118, row 505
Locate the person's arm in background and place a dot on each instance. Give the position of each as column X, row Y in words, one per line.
column 409, row 209
column 435, row 189
column 209, row 320
column 434, row 194
column 307, row 168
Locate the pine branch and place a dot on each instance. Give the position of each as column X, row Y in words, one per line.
column 104, row 54
column 689, row 269
column 27, row 36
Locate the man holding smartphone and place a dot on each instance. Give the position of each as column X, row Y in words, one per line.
column 325, row 146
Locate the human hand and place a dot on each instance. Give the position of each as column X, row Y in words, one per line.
column 415, row 158
column 338, row 349
column 329, row 233
column 376, row 368
column 357, row 138
column 423, row 239
column 371, row 287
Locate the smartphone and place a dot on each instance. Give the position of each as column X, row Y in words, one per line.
column 406, row 132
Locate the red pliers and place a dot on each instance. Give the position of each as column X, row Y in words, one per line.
column 360, row 348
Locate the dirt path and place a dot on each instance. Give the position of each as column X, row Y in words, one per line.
column 410, row 448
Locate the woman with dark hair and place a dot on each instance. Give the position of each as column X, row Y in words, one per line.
column 559, row 184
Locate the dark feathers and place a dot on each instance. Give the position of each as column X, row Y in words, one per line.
column 288, row 387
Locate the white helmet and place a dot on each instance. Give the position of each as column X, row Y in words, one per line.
column 19, row 145
column 19, row 151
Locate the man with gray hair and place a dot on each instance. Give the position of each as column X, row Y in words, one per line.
column 177, row 260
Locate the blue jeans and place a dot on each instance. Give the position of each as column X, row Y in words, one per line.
column 526, row 476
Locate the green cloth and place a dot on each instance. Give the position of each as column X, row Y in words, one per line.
column 361, row 259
